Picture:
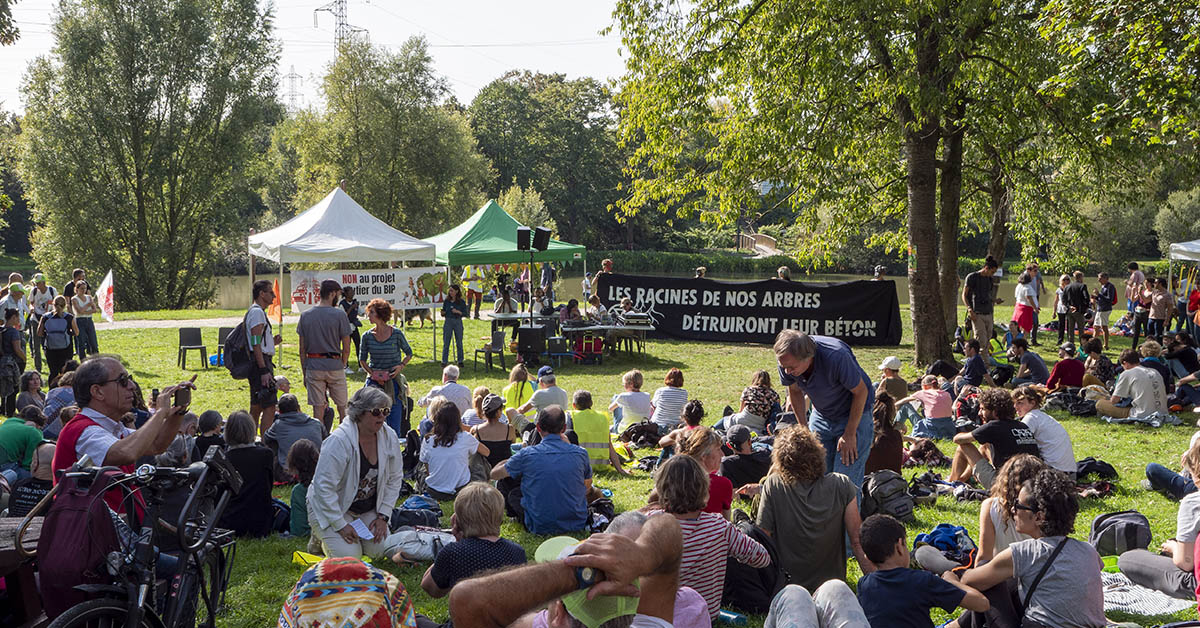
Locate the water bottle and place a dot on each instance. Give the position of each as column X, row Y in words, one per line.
column 731, row 618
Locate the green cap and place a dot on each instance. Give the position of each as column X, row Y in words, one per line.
column 16, row 287
column 591, row 613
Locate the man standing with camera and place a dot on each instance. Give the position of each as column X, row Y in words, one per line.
column 262, row 351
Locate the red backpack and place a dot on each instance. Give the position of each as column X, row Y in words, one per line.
column 77, row 535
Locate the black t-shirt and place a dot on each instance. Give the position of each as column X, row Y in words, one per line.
column 463, row 559
column 743, row 469
column 26, row 493
column 250, row 512
column 1163, row 370
column 979, row 292
column 1076, row 295
column 1007, row 438
column 202, row 445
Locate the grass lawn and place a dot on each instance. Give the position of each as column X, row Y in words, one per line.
column 714, row 373
column 175, row 315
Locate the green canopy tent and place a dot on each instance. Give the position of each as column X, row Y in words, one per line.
column 489, row 236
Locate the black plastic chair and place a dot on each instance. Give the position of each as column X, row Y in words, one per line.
column 190, row 339
column 495, row 347
column 222, row 336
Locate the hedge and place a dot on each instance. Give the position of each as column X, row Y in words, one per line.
column 1151, row 268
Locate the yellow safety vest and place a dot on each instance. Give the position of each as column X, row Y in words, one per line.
column 592, row 429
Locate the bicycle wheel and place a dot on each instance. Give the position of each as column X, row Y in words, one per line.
column 102, row 613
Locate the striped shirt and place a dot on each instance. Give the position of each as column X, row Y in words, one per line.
column 668, row 403
column 707, row 541
column 384, row 354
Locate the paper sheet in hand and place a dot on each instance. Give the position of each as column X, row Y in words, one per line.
column 360, row 527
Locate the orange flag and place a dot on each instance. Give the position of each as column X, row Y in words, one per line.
column 275, row 309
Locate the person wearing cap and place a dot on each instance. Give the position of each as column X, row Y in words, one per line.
column 548, row 393
column 477, row 546
column 41, row 301
column 1068, row 371
column 622, row 573
column 551, row 479
column 891, row 381
column 746, row 465
column 823, row 370
column 592, row 429
column 1033, row 367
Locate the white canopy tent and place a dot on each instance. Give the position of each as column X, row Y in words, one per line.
column 1182, row 251
column 337, row 229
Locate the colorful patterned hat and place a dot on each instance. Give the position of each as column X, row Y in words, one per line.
column 347, row 593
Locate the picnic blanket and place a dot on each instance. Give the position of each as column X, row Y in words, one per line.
column 1158, row 419
column 1120, row 594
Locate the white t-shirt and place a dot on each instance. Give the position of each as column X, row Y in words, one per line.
column 1024, row 291
column 1187, row 522
column 41, row 301
column 1052, row 440
column 1062, row 306
column 255, row 317
column 1146, row 387
column 635, row 404
column 449, row 467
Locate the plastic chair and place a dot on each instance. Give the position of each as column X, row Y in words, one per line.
column 222, row 336
column 189, row 339
column 495, row 347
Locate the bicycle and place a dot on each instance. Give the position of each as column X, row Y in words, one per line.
column 137, row 598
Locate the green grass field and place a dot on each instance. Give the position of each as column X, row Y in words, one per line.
column 714, row 373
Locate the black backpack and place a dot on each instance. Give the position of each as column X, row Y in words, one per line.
column 1115, row 533
column 237, row 351
column 886, row 492
column 747, row 588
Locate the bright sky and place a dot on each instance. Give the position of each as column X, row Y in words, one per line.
column 472, row 41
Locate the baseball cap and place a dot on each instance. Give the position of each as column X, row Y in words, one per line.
column 16, row 287
column 737, row 435
column 544, row 371
column 891, row 362
column 1069, row 347
column 591, row 613
column 38, row 278
column 491, row 403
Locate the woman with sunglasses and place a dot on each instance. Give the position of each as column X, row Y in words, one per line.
column 1054, row 578
column 358, row 477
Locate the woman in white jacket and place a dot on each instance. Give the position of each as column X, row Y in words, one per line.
column 358, row 476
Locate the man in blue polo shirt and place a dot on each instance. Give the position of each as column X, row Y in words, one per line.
column 825, row 371
column 547, row 485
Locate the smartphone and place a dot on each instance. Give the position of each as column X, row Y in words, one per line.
column 153, row 395
column 183, row 395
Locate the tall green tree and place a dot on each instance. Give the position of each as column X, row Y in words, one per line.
column 8, row 30
column 405, row 156
column 864, row 109
column 558, row 136
column 138, row 138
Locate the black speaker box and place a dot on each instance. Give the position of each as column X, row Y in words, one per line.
column 523, row 234
column 531, row 339
column 541, row 239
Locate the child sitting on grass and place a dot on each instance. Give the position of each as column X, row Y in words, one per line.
column 693, row 414
column 895, row 595
column 302, row 464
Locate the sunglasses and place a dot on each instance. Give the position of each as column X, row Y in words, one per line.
column 122, row 380
column 378, row 412
column 1020, row 506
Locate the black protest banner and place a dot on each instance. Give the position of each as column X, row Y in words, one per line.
column 857, row 312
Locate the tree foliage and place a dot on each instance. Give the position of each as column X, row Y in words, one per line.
column 558, row 136
column 405, row 157
column 139, row 139
column 1178, row 219
column 527, row 206
column 8, row 29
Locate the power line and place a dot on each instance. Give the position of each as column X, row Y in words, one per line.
column 343, row 31
column 293, row 95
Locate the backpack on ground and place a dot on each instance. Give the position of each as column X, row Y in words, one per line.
column 413, row 517
column 58, row 334
column 747, row 588
column 77, row 535
column 1115, row 533
column 1091, row 465
column 642, row 434
column 237, row 351
column 966, row 407
column 886, row 492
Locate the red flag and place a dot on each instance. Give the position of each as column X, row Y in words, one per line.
column 276, row 308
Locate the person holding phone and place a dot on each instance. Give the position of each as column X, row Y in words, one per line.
column 104, row 391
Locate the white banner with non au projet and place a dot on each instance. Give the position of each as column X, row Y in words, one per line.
column 404, row 288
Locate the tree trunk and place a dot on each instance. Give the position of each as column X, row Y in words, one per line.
column 1001, row 198
column 928, row 317
column 948, row 220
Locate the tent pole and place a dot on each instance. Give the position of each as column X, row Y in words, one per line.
column 280, row 297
